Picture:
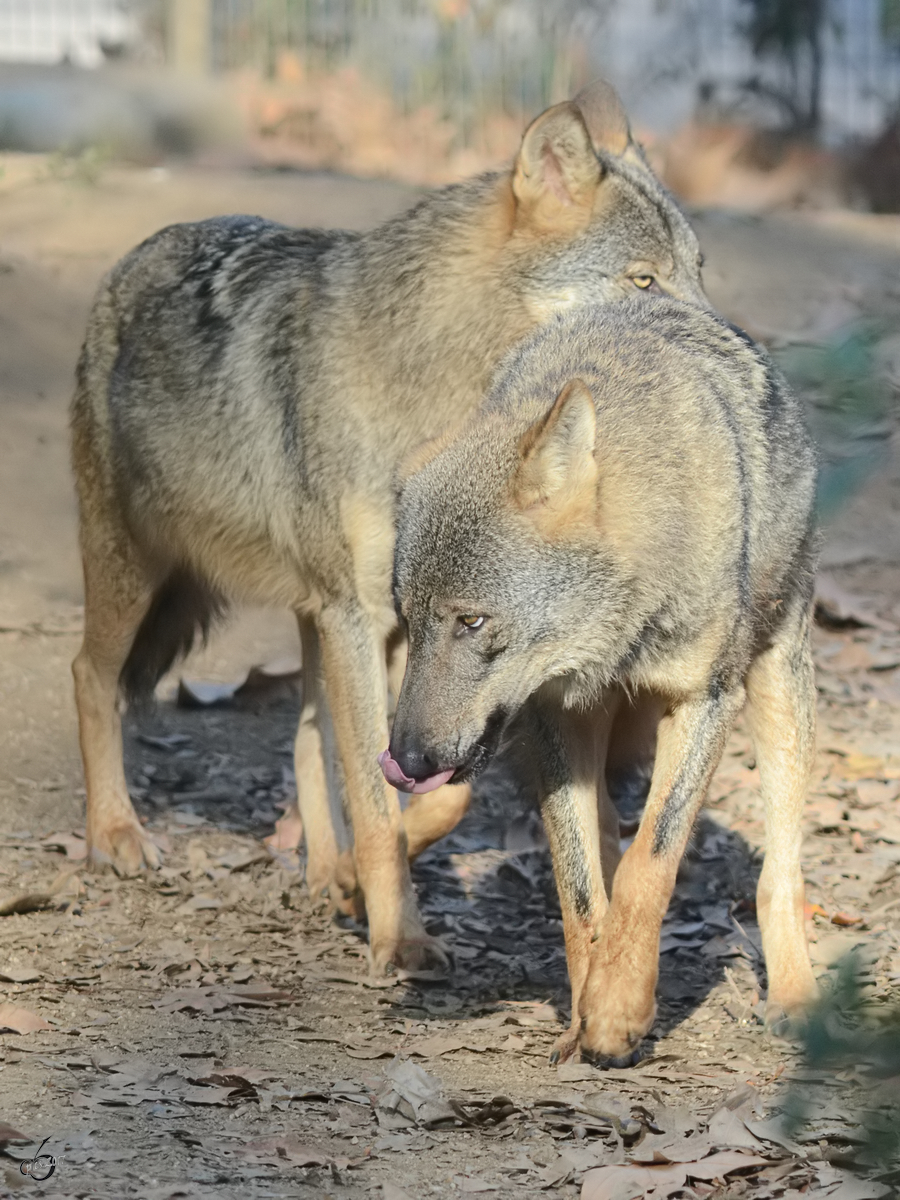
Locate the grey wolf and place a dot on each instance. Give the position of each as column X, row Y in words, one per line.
column 628, row 514
column 244, row 396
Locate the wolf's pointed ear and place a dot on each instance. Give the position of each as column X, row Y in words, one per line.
column 557, row 470
column 604, row 116
column 556, row 172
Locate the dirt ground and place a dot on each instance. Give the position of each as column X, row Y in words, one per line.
column 204, row 1032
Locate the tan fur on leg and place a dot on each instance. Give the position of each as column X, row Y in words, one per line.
column 356, row 687
column 618, row 1003
column 575, row 750
column 317, row 812
column 781, row 710
column 430, row 817
column 116, row 598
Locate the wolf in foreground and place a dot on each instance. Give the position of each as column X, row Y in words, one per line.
column 245, row 394
column 628, row 514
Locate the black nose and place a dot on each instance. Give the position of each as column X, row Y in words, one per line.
column 413, row 759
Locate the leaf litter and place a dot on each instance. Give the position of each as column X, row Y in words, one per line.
column 210, row 1020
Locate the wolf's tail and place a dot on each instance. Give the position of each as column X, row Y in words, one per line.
column 183, row 608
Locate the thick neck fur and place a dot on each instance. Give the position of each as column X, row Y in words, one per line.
column 436, row 307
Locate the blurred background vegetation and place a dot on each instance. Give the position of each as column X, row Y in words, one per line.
column 807, row 88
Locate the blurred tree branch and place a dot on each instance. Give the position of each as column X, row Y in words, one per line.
column 790, row 31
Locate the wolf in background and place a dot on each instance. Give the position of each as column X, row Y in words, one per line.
column 630, row 513
column 244, row 396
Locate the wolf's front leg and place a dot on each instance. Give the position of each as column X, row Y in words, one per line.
column 618, row 1002
column 356, row 690
column 571, row 750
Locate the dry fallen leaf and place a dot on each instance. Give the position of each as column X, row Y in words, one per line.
column 21, row 1020
column 863, row 766
column 413, row 1094
column 285, row 1150
column 836, row 606
column 619, row 1183
column 434, row 1047
column 842, row 918
column 390, row 1191
column 825, row 813
column 213, row 999
column 727, row 1131
column 73, row 846
column 717, row 1166
column 207, row 1095
column 19, row 974
column 853, row 656
column 872, row 793
column 615, row 1182
column 8, row 1134
column 473, row 1183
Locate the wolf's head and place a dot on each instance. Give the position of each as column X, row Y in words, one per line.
column 592, row 223
column 502, row 581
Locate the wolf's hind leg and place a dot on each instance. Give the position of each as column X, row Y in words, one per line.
column 117, row 594
column 782, row 717
column 317, row 814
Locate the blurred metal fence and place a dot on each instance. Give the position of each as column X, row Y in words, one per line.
column 460, row 56
column 468, row 58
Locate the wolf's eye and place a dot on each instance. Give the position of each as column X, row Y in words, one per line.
column 643, row 281
column 468, row 621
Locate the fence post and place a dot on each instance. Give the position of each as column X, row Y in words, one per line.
column 189, row 36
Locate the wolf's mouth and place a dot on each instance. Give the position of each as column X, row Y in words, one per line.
column 397, row 777
column 480, row 755
column 484, row 749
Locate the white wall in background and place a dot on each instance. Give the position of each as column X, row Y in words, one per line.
column 55, row 31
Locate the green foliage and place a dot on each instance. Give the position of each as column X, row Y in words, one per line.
column 848, row 402
column 890, row 22
column 846, row 1032
column 783, row 27
column 790, row 31
column 83, row 166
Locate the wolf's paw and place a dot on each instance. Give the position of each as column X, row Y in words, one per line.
column 612, row 1030
column 288, row 831
column 125, row 846
column 618, row 1061
column 783, row 1023
column 319, row 877
column 787, row 1007
column 566, row 1047
column 411, row 953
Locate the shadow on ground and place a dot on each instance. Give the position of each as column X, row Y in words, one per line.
column 487, row 890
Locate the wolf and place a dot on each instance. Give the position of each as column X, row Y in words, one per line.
column 628, row 514
column 244, row 396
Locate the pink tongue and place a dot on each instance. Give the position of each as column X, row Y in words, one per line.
column 395, row 776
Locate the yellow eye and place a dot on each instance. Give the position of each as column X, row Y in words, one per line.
column 643, row 281
column 471, row 622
